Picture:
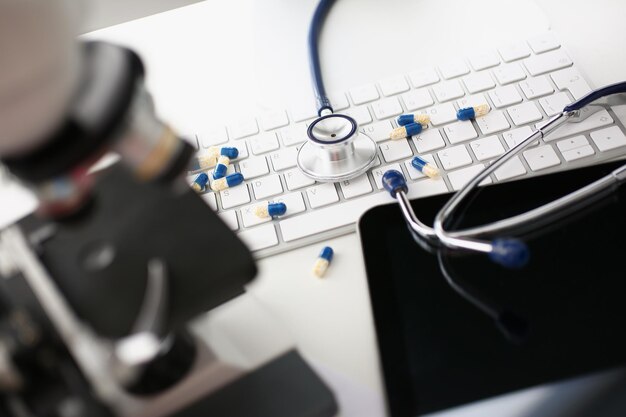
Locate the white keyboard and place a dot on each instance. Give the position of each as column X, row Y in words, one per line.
column 524, row 83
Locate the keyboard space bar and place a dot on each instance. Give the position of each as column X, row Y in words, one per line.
column 325, row 219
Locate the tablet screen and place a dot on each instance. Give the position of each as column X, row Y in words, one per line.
column 472, row 329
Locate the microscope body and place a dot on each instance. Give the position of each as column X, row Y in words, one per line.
column 99, row 285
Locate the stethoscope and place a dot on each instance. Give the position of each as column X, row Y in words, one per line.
column 509, row 252
column 335, row 150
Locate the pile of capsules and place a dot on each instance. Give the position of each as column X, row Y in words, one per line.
column 413, row 124
column 219, row 159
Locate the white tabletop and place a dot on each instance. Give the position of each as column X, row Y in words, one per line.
column 210, row 62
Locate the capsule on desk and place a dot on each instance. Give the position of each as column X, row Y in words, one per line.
column 200, row 183
column 469, row 113
column 221, row 167
column 425, row 167
column 323, row 261
column 406, row 131
column 270, row 210
column 227, row 182
column 405, row 119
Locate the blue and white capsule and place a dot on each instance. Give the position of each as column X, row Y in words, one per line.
column 270, row 210
column 406, row 131
column 425, row 167
column 323, row 261
column 200, row 183
column 406, row 119
column 211, row 156
column 229, row 181
column 469, row 113
column 222, row 166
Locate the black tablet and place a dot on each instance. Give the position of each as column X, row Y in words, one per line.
column 564, row 312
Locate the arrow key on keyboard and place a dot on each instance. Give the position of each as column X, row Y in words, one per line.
column 541, row 157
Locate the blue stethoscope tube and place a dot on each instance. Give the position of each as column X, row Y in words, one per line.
column 509, row 252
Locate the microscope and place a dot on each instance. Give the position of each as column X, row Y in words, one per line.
column 99, row 286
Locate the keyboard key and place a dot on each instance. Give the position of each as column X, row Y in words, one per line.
column 265, row 187
column 393, row 85
column 453, row 69
column 284, row 158
column 541, row 157
column 212, row 136
column 428, row 140
column 395, row 150
column 417, row 99
column 487, row 148
column 524, row 113
column 572, row 143
column 250, row 219
column 322, row 195
column 505, row 96
column 514, row 51
column 609, row 138
column 460, row 131
column 304, row 110
column 293, row 201
column 554, row 104
column 483, row 60
column 378, row 131
column 596, row 120
column 414, row 174
column 462, row 176
column 535, row 87
column 509, row 73
column 443, row 113
column 236, row 196
column 364, row 94
column 547, row 62
column 423, row 77
column 261, row 237
column 242, row 147
column 230, row 218
column 570, row 79
column 254, row 167
column 360, row 114
column 356, row 187
column 478, row 81
column 472, row 101
column 273, row 119
column 338, row 101
column 543, row 43
column 454, row 157
column 295, row 179
column 243, row 128
column 515, row 136
column 448, row 90
column 511, row 169
column 265, row 142
column 387, row 107
column 380, row 171
column 578, row 153
column 492, row 122
column 294, row 135
column 210, row 199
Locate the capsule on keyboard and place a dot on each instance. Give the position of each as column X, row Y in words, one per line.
column 200, row 183
column 468, row 113
column 270, row 210
column 210, row 158
column 425, row 167
column 227, row 182
column 405, row 119
column 221, row 167
column 405, row 131
column 323, row 261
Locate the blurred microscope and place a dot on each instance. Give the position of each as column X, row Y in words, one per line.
column 98, row 287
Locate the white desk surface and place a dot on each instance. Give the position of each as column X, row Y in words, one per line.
column 209, row 62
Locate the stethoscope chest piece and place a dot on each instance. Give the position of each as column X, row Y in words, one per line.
column 336, row 151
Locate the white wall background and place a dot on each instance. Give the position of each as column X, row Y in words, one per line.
column 101, row 13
